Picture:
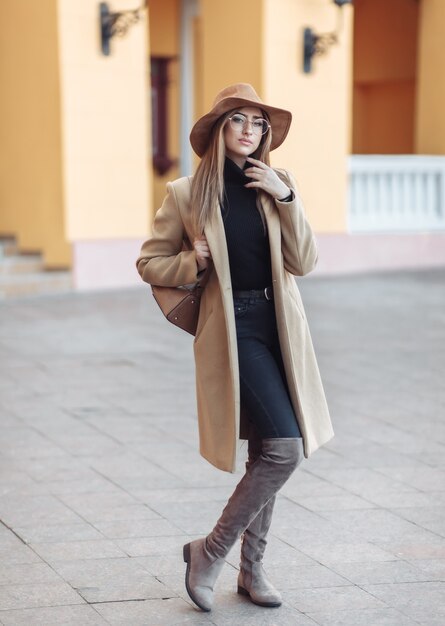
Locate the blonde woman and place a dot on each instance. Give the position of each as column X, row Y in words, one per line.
column 257, row 377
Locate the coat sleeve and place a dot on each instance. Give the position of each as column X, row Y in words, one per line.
column 162, row 260
column 298, row 243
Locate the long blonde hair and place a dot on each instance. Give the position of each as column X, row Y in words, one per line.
column 208, row 181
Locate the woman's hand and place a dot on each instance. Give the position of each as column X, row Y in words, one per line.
column 202, row 251
column 265, row 178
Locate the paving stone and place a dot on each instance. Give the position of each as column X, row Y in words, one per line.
column 22, row 573
column 331, row 599
column 29, row 510
column 30, row 488
column 132, row 472
column 159, row 565
column 71, row 615
column 125, row 429
column 11, row 480
column 334, row 503
column 170, row 612
column 107, row 580
column 107, row 507
column 323, row 533
column 25, row 442
column 374, row 525
column 363, row 617
column 123, row 529
column 58, row 533
column 95, row 484
column 434, row 568
column 55, row 469
column 403, row 500
column 75, row 550
column 7, row 537
column 231, row 608
column 151, row 546
column 427, row 546
column 362, row 481
column 304, row 577
column 183, row 511
column 422, row 600
column 424, row 478
column 381, row 572
column 422, row 515
column 196, row 495
column 19, row 596
column 17, row 552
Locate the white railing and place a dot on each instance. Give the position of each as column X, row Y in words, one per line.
column 396, row 193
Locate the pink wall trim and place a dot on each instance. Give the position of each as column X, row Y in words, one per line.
column 105, row 263
column 345, row 253
column 108, row 263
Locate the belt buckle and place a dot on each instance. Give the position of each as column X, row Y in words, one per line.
column 266, row 293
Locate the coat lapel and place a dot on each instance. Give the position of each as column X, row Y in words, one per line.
column 216, row 238
column 273, row 228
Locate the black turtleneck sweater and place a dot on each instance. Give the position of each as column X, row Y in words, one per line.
column 247, row 239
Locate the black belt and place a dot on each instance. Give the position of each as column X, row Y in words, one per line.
column 266, row 293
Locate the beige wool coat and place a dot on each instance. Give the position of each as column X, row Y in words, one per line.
column 167, row 258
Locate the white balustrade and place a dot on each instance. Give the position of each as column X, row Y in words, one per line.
column 396, row 193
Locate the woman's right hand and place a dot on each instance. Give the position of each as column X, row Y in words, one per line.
column 202, row 251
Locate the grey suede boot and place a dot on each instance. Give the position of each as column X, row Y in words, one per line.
column 205, row 557
column 252, row 579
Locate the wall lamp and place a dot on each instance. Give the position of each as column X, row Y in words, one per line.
column 117, row 24
column 314, row 44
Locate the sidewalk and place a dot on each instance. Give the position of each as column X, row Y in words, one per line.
column 101, row 481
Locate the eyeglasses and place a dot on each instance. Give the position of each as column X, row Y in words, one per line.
column 260, row 126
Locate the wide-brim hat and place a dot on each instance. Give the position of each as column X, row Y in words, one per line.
column 233, row 97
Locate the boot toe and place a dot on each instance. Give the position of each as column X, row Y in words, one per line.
column 203, row 598
column 267, row 598
column 201, row 574
column 254, row 583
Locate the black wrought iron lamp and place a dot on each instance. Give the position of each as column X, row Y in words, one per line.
column 117, row 24
column 319, row 44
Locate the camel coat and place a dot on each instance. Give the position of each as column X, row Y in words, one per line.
column 167, row 258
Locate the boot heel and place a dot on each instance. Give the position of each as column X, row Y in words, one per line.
column 186, row 553
column 243, row 591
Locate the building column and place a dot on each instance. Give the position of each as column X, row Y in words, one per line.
column 105, row 139
column 430, row 119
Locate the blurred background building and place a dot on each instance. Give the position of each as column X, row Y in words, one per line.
column 88, row 139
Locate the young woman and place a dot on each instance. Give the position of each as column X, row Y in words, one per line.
column 256, row 373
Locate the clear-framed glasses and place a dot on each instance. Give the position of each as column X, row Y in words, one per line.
column 238, row 121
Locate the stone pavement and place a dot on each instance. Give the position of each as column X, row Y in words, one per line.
column 101, row 481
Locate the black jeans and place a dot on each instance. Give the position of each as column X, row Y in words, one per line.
column 264, row 391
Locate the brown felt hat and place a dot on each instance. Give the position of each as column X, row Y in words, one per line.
column 237, row 96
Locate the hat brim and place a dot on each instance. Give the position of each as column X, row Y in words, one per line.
column 280, row 121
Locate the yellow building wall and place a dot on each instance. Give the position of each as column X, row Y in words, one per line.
column 319, row 140
column 430, row 122
column 230, row 48
column 385, row 67
column 105, row 121
column 164, row 29
column 31, row 197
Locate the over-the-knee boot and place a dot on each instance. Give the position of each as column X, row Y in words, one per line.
column 252, row 579
column 205, row 557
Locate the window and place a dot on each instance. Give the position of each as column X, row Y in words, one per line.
column 159, row 108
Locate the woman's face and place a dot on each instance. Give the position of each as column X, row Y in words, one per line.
column 242, row 142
